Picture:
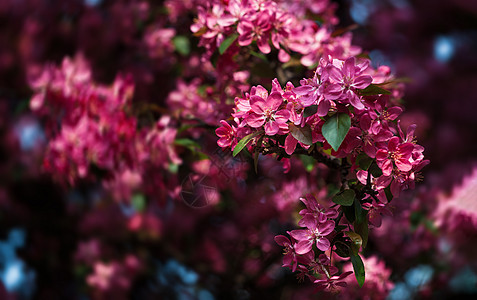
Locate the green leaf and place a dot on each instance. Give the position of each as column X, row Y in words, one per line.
column 388, row 193
column 173, row 168
column 396, row 80
column 182, row 45
column 375, row 170
column 302, row 134
column 349, row 213
column 356, row 241
column 364, row 161
column 358, row 268
column 335, row 129
column 363, row 230
column 359, row 212
column 188, row 143
column 363, row 55
column 345, row 198
column 338, row 228
column 310, row 110
column 259, row 55
column 342, row 249
column 373, row 89
column 243, row 142
column 138, row 202
column 227, row 42
column 308, row 162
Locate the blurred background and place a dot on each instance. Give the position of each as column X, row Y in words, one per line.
column 58, row 242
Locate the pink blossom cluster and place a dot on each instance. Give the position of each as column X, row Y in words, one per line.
column 113, row 279
column 319, row 225
column 91, row 127
column 379, row 159
column 284, row 25
column 338, row 87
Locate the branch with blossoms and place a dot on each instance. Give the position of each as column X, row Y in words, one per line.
column 345, row 117
column 286, row 25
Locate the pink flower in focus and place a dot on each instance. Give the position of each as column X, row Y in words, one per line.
column 350, row 77
column 397, row 153
column 315, row 211
column 266, row 112
column 255, row 27
column 316, row 233
column 332, row 283
column 226, row 133
column 290, row 258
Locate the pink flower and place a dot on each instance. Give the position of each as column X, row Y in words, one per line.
column 313, row 91
column 226, row 133
column 266, row 112
column 323, row 266
column 350, row 77
column 290, row 258
column 255, row 27
column 316, row 233
column 396, row 153
column 315, row 211
column 372, row 134
column 332, row 282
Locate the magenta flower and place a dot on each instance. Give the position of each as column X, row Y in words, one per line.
column 350, row 77
column 332, row 282
column 226, row 133
column 383, row 115
column 315, row 211
column 376, row 211
column 372, row 134
column 323, row 266
column 255, row 27
column 266, row 112
column 399, row 154
column 290, row 258
column 316, row 234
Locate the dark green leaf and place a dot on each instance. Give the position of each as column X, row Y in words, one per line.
column 389, row 194
column 335, row 129
column 243, row 142
column 173, row 168
column 259, row 55
column 363, row 55
column 358, row 268
column 356, row 241
column 342, row 249
column 227, row 42
column 187, row 143
column 375, row 170
column 349, row 213
column 138, row 201
column 302, row 134
column 341, row 31
column 308, row 162
column 310, row 110
column 396, row 80
column 364, row 161
column 373, row 89
column 182, row 45
column 363, row 231
column 338, row 228
column 360, row 213
column 345, row 198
